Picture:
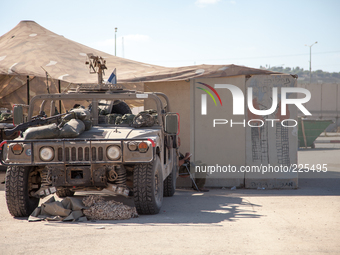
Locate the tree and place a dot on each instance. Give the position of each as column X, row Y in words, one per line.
column 287, row 70
column 336, row 75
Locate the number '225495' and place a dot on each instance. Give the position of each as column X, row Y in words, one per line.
column 304, row 168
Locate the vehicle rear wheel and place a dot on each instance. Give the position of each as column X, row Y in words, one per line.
column 19, row 185
column 170, row 182
column 148, row 187
column 64, row 193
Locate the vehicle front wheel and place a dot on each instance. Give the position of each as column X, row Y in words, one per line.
column 148, row 187
column 19, row 184
column 170, row 182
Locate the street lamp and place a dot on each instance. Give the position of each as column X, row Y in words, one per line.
column 310, row 61
column 115, row 41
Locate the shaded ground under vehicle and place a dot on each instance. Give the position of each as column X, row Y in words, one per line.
column 140, row 160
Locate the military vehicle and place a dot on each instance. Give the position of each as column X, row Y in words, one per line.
column 125, row 154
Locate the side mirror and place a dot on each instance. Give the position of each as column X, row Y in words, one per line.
column 18, row 114
column 172, row 123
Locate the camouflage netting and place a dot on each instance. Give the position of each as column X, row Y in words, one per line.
column 143, row 119
column 112, row 118
column 126, row 119
column 5, row 116
column 73, row 209
column 107, row 210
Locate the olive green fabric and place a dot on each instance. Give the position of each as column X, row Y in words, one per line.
column 88, row 124
column 71, row 129
column 81, row 113
column 69, row 209
column 42, row 132
column 68, row 117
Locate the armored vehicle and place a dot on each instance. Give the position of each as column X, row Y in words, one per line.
column 131, row 155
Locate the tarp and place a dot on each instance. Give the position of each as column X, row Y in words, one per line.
column 31, row 50
column 74, row 209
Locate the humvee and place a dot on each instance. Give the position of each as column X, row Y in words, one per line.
column 133, row 161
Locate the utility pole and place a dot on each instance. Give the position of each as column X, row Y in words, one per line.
column 123, row 47
column 310, row 61
column 115, row 41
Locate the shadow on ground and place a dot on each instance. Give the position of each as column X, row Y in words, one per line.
column 317, row 149
column 188, row 207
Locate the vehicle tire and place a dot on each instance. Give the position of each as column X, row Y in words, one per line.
column 170, row 183
column 148, row 187
column 65, row 193
column 19, row 202
column 121, row 108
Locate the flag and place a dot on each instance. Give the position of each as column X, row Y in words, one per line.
column 113, row 78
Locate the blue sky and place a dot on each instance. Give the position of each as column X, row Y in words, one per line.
column 189, row 32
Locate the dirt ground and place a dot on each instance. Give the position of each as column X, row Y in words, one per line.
column 222, row 221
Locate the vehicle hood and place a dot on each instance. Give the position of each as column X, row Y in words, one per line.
column 119, row 133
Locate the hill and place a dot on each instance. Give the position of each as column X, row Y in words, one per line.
column 318, row 76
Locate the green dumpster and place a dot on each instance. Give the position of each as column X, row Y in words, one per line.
column 309, row 130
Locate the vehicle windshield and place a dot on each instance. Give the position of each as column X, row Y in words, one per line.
column 120, row 113
column 115, row 112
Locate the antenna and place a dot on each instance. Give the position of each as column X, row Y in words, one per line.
column 96, row 65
